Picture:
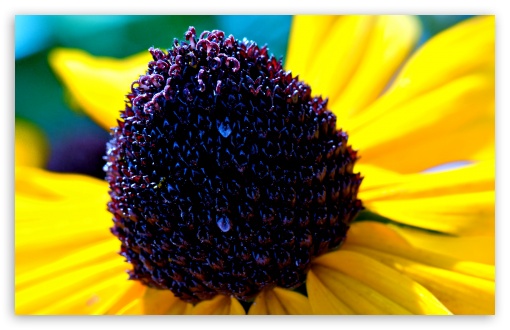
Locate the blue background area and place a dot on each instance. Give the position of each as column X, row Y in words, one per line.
column 74, row 139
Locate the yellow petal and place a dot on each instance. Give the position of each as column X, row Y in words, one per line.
column 38, row 184
column 94, row 299
column 379, row 184
column 362, row 299
column 133, row 307
column 280, row 301
column 376, row 178
column 383, row 279
column 322, row 300
column 380, row 237
column 31, row 146
column 462, row 50
column 472, row 248
column 462, row 294
column 485, row 154
column 432, row 129
column 349, row 59
column 457, row 201
column 236, row 308
column 459, row 51
column 66, row 257
column 470, row 214
column 219, row 305
column 98, row 84
column 83, row 290
column 57, row 214
column 391, row 40
column 129, row 298
column 163, row 302
column 337, row 53
column 464, row 286
column 150, row 302
column 66, row 261
column 156, row 302
column 305, row 30
column 447, row 86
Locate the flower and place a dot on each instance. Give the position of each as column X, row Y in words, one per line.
column 438, row 109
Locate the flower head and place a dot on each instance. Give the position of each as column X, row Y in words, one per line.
column 226, row 175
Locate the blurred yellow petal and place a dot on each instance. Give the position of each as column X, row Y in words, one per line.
column 75, row 204
column 98, row 84
column 55, row 254
column 388, row 282
column 66, row 261
column 305, row 30
column 66, row 258
column 94, row 299
column 469, row 248
column 488, row 153
column 446, row 87
column 123, row 304
column 31, row 146
column 57, row 215
column 219, row 305
column 85, row 290
column 280, row 301
column 133, row 307
column 40, row 184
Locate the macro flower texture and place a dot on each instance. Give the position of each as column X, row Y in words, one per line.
column 357, row 177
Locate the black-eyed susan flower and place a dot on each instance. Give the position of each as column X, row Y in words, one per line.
column 232, row 187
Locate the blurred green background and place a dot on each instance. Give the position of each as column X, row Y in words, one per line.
column 76, row 144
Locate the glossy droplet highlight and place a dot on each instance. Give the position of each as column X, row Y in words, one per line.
column 223, row 223
column 224, row 128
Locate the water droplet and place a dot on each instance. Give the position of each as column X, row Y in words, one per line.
column 223, row 223
column 224, row 128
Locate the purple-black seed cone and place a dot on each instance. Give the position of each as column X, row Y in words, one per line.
column 226, row 176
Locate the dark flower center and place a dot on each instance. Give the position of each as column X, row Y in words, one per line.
column 226, row 175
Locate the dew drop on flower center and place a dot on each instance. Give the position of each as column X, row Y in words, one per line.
column 226, row 175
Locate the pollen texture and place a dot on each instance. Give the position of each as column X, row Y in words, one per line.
column 226, row 175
